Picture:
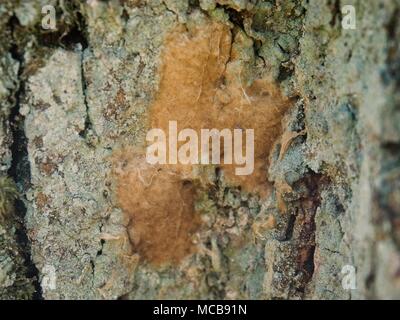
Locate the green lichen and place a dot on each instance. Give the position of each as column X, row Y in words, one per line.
column 14, row 280
column 8, row 194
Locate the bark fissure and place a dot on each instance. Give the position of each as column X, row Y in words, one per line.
column 20, row 167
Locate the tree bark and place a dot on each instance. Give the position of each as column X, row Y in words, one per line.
column 319, row 219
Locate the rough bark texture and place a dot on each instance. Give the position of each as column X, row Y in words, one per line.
column 76, row 104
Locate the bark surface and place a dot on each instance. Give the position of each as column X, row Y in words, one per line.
column 93, row 221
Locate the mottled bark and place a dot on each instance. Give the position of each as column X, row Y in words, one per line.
column 93, row 221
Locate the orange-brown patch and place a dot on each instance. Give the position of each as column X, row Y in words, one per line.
column 159, row 204
column 201, row 86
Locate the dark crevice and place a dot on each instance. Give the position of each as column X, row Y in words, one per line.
column 308, row 265
column 237, row 18
column 72, row 39
column 76, row 38
column 23, row 241
column 125, row 16
column 193, row 4
column 76, row 35
column 123, row 297
column 289, row 228
column 20, row 167
column 100, row 252
column 88, row 123
column 370, row 281
column 337, row 13
column 309, row 205
column 70, row 32
column 285, row 72
column 393, row 51
column 301, row 228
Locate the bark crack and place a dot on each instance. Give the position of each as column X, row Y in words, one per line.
column 88, row 129
column 20, row 167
